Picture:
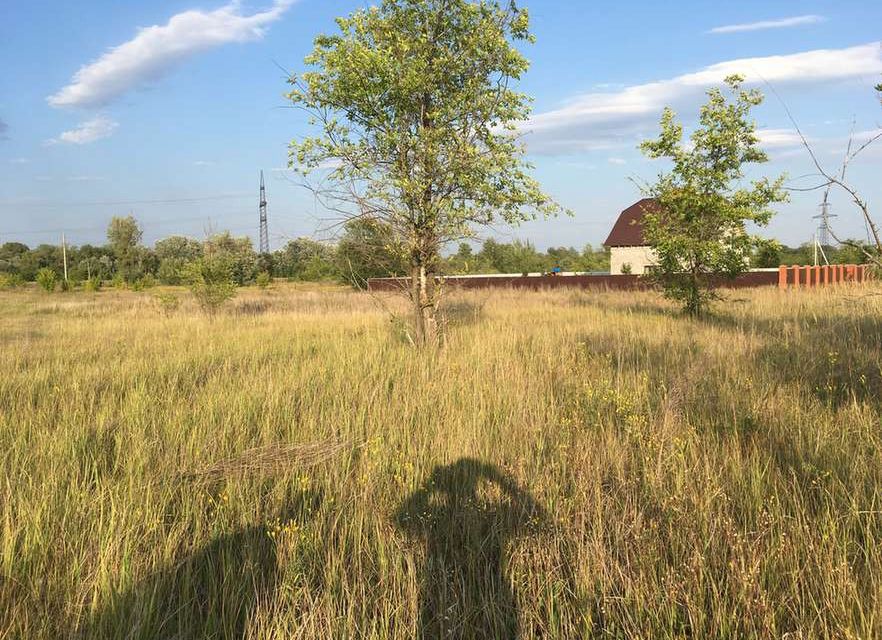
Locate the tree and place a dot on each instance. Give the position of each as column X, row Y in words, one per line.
column 173, row 253
column 237, row 252
column 210, row 279
column 306, row 259
column 369, row 249
column 699, row 233
column 417, row 125
column 124, row 236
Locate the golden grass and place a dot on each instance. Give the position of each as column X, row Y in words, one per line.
column 570, row 465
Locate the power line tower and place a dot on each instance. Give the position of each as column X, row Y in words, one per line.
column 264, row 231
column 823, row 234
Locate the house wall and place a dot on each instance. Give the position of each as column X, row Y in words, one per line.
column 638, row 257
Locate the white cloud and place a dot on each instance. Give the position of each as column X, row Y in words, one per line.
column 779, row 138
column 156, row 50
column 617, row 161
column 782, row 23
column 203, row 163
column 85, row 178
column 606, row 120
column 19, row 161
column 89, row 131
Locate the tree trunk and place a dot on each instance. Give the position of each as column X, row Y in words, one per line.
column 422, row 293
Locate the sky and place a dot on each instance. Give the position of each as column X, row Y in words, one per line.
column 170, row 109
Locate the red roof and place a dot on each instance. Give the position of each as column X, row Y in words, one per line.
column 628, row 229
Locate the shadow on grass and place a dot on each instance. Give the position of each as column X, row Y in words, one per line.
column 465, row 514
column 211, row 593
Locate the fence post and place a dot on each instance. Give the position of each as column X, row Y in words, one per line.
column 808, row 276
column 782, row 277
column 795, row 270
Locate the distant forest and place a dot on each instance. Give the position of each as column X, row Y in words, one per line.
column 363, row 250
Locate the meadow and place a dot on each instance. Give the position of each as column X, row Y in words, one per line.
column 569, row 465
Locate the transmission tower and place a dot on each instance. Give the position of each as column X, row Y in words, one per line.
column 823, row 234
column 264, row 232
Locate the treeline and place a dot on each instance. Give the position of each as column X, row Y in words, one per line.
column 773, row 254
column 364, row 250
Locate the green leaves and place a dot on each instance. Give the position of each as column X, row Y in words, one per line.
column 416, row 113
column 699, row 234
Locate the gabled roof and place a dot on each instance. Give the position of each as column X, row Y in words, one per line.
column 628, row 229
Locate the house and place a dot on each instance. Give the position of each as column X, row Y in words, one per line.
column 628, row 251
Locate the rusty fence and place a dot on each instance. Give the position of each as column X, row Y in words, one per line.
column 796, row 276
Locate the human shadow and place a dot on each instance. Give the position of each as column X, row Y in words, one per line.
column 465, row 514
column 212, row 593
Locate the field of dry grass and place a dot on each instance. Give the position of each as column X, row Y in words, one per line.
column 569, row 465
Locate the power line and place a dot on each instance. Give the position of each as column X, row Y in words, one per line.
column 113, row 203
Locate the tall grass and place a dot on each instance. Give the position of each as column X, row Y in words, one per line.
column 569, row 465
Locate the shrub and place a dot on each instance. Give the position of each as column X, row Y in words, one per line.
column 146, row 281
column 118, row 281
column 47, row 279
column 92, row 284
column 263, row 279
column 167, row 301
column 10, row 281
column 210, row 279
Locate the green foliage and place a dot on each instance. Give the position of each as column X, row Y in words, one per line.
column 417, row 119
column 93, row 284
column 767, row 254
column 10, row 281
column 699, row 232
column 124, row 236
column 369, row 249
column 210, row 279
column 306, row 259
column 47, row 279
column 168, row 302
column 263, row 279
column 237, row 253
column 627, row 268
column 172, row 254
column 118, row 281
column 146, row 281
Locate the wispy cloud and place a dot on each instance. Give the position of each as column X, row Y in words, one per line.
column 89, row 131
column 779, row 138
column 617, row 161
column 156, row 50
column 4, row 128
column 614, row 119
column 18, row 161
column 781, row 23
column 203, row 163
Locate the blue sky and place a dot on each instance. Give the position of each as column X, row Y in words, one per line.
column 169, row 109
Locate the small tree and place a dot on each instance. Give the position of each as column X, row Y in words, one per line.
column 47, row 279
column 210, row 279
column 417, row 113
column 699, row 232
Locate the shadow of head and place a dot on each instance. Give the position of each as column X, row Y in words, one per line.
column 466, row 492
column 211, row 592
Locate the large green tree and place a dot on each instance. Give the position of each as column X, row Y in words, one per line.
column 699, row 232
column 417, row 119
column 124, row 236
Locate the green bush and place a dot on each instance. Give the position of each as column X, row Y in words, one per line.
column 167, row 301
column 10, row 281
column 47, row 279
column 118, row 281
column 210, row 279
column 146, row 281
column 263, row 279
column 92, row 284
